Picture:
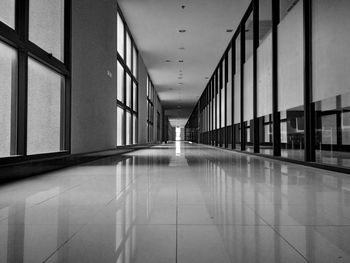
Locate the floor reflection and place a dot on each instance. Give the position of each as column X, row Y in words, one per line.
column 181, row 202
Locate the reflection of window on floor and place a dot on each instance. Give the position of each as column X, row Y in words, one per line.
column 178, row 133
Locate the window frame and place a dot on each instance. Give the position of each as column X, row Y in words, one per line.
column 18, row 38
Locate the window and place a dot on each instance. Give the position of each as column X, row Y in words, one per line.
column 120, row 35
column 7, row 12
column 120, row 82
column 46, row 25
column 127, row 86
column 34, row 79
column 8, row 102
column 45, row 94
column 120, row 125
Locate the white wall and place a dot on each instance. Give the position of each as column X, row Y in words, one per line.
column 142, row 107
column 94, row 44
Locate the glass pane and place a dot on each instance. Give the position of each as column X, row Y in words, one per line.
column 7, row 12
column 264, row 77
column 248, row 71
column 135, row 62
column 120, row 83
column 135, row 97
column 128, row 51
column 128, row 128
column 8, row 88
column 134, row 129
column 120, row 35
column 265, row 19
column 128, row 90
column 223, row 110
column 286, row 6
column 46, row 25
column 45, row 96
column 229, row 89
column 290, row 59
column 237, row 83
column 291, row 82
column 120, row 126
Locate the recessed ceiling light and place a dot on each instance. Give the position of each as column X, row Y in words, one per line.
column 182, row 30
column 183, row 6
column 180, row 83
column 181, row 61
column 179, row 77
column 181, row 48
column 168, row 60
column 229, row 30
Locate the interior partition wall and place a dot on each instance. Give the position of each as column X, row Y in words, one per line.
column 281, row 89
column 127, row 84
column 35, row 74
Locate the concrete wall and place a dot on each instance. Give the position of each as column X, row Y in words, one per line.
column 142, row 121
column 94, row 41
column 94, row 68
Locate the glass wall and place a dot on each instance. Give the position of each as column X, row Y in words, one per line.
column 331, row 93
column 34, row 80
column 291, row 80
column 289, row 63
column 127, row 85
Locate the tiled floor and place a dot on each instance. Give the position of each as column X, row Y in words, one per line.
column 177, row 203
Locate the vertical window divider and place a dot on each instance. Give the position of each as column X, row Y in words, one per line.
column 276, row 133
column 255, row 75
column 225, row 87
column 124, row 88
column 309, row 109
column 233, row 71
column 68, row 62
column 22, row 21
column 220, row 103
column 243, row 142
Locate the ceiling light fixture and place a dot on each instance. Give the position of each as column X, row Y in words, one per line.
column 181, row 48
column 229, row 30
column 182, row 30
column 181, row 61
column 168, row 60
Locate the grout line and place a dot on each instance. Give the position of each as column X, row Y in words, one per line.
column 63, row 244
column 52, row 197
column 177, row 225
column 279, row 234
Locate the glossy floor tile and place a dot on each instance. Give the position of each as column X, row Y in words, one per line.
column 177, row 203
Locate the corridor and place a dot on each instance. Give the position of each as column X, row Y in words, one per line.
column 177, row 202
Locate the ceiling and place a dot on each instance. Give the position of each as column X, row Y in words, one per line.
column 155, row 26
